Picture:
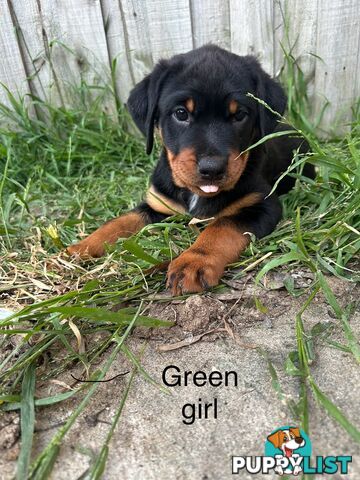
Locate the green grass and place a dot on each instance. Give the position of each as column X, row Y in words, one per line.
column 66, row 175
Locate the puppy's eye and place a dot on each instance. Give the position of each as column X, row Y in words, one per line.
column 181, row 114
column 240, row 115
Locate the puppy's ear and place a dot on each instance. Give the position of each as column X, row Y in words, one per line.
column 276, row 438
column 143, row 102
column 271, row 92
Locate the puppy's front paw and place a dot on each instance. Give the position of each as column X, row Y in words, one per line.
column 86, row 249
column 193, row 271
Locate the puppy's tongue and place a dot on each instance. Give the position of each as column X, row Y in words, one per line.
column 209, row 188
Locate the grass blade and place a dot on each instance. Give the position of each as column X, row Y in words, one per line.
column 353, row 342
column 27, row 422
column 97, row 470
column 329, row 295
column 45, row 461
column 121, row 317
column 276, row 262
column 133, row 247
column 335, row 412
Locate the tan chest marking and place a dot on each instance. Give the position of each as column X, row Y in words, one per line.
column 162, row 204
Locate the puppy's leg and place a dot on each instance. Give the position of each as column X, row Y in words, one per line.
column 110, row 232
column 202, row 265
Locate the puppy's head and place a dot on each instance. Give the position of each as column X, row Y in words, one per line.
column 199, row 103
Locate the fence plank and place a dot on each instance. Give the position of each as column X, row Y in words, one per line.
column 135, row 17
column 78, row 52
column 139, row 32
column 251, row 24
column 169, row 27
column 300, row 39
column 338, row 35
column 12, row 71
column 27, row 18
column 118, row 47
column 211, row 23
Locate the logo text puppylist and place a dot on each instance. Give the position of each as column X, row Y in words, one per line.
column 288, row 451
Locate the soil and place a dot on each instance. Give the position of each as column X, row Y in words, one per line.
column 223, row 331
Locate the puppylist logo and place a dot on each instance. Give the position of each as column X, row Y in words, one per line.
column 287, row 452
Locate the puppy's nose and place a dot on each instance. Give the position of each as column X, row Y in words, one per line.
column 299, row 440
column 211, row 167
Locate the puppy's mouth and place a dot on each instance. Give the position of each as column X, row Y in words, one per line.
column 209, row 188
column 212, row 187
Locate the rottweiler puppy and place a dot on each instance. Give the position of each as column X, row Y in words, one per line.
column 206, row 120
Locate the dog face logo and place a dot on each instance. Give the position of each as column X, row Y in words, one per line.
column 288, row 445
column 287, row 440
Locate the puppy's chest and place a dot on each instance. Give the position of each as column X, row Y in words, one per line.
column 193, row 203
column 201, row 207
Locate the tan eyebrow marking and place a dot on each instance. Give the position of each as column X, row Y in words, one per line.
column 233, row 106
column 190, row 105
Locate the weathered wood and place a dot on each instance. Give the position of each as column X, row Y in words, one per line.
column 118, row 47
column 211, row 22
column 74, row 35
column 251, row 23
column 12, row 71
column 298, row 36
column 61, row 43
column 27, row 18
column 169, row 27
column 338, row 37
column 136, row 20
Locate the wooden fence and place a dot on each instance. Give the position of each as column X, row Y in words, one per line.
column 49, row 44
